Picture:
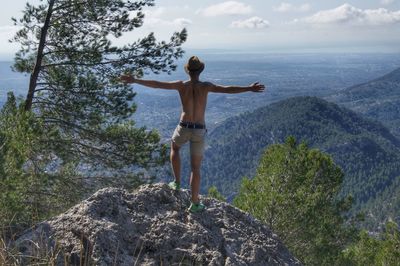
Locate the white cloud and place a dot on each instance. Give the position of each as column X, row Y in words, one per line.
column 226, row 8
column 182, row 22
column 153, row 18
column 178, row 22
column 287, row 7
column 386, row 2
column 347, row 14
column 251, row 23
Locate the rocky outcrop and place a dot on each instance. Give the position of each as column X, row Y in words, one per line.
column 151, row 226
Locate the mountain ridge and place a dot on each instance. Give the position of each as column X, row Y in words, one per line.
column 378, row 99
column 366, row 150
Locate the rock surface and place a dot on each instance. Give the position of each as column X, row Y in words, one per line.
column 151, row 226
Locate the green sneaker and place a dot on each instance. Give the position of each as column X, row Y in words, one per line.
column 174, row 185
column 196, row 207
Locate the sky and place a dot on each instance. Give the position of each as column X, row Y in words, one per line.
column 262, row 26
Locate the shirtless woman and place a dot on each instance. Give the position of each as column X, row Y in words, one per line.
column 191, row 128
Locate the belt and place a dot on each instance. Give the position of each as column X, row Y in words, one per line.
column 192, row 125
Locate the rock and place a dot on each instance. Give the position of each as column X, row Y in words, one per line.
column 151, row 226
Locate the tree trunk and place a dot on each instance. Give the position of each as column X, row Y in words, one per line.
column 39, row 57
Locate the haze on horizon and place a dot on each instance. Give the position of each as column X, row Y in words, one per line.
column 259, row 25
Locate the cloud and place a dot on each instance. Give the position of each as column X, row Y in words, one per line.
column 386, row 2
column 251, row 23
column 178, row 22
column 226, row 8
column 287, row 7
column 153, row 18
column 347, row 14
column 182, row 22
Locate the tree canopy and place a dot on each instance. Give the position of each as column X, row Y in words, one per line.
column 364, row 149
column 77, row 116
column 295, row 192
column 66, row 47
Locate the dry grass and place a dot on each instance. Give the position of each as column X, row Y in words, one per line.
column 10, row 255
column 41, row 254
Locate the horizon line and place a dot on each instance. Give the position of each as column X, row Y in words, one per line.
column 5, row 57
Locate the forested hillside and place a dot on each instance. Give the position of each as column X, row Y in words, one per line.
column 378, row 99
column 385, row 206
column 367, row 152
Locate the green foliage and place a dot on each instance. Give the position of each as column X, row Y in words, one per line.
column 31, row 190
column 385, row 206
column 74, row 129
column 67, row 47
column 295, row 192
column 214, row 193
column 365, row 150
column 368, row 250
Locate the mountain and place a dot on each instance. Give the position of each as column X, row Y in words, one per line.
column 366, row 151
column 385, row 206
column 378, row 99
column 150, row 226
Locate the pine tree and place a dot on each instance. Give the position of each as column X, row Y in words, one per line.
column 382, row 249
column 66, row 48
column 295, row 193
column 215, row 194
column 77, row 116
